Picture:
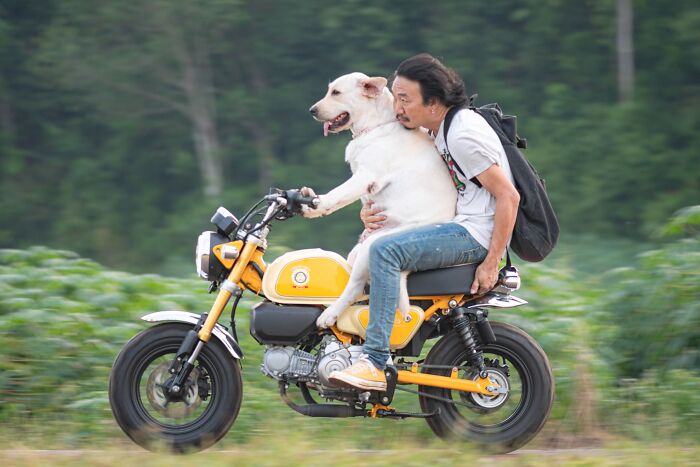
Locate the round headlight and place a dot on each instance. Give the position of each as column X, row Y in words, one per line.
column 208, row 266
column 202, row 252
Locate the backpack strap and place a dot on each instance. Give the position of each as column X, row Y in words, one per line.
column 445, row 128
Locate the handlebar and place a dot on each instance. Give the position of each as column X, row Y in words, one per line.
column 281, row 205
column 293, row 200
column 295, row 196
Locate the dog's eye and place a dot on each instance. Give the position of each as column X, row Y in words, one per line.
column 335, row 92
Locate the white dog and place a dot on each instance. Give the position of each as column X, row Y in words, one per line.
column 398, row 169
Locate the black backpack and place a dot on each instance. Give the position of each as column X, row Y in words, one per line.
column 536, row 228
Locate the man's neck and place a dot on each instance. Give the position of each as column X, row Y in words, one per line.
column 436, row 120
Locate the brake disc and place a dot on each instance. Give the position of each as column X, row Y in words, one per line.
column 497, row 373
column 161, row 403
column 487, row 402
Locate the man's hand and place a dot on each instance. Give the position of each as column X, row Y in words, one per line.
column 372, row 217
column 485, row 277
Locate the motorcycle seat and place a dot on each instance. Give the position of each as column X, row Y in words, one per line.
column 451, row 280
column 444, row 281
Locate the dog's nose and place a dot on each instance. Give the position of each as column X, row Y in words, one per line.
column 313, row 110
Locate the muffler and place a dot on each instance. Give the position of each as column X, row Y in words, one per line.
column 320, row 410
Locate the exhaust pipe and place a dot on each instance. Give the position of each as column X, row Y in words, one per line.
column 321, row 410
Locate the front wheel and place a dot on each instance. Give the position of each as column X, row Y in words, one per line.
column 208, row 407
column 504, row 422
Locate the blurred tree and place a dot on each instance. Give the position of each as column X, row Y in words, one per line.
column 122, row 121
column 146, row 60
column 625, row 50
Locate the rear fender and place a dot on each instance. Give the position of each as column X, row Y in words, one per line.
column 183, row 317
column 496, row 300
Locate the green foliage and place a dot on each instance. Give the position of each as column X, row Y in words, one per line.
column 657, row 305
column 669, row 401
column 685, row 223
column 63, row 319
column 102, row 110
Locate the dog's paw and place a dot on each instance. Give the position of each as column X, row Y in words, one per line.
column 328, row 317
column 310, row 213
column 320, row 210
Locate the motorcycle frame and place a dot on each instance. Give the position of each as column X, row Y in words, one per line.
column 235, row 285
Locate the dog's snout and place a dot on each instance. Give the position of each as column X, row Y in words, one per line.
column 314, row 110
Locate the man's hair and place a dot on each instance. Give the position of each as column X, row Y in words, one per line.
column 437, row 82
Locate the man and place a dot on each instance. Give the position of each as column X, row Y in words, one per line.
column 424, row 91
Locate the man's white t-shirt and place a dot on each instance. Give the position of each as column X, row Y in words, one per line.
column 475, row 147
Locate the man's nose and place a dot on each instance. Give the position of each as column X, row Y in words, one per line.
column 314, row 110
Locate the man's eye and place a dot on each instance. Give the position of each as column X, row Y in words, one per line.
column 335, row 92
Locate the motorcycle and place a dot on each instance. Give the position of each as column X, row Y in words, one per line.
column 178, row 384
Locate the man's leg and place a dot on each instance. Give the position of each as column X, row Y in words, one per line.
column 428, row 247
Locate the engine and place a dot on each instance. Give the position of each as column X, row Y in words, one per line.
column 291, row 364
column 288, row 363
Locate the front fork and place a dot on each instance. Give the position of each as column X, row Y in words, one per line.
column 183, row 364
column 194, row 341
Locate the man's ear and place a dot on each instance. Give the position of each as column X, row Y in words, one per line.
column 372, row 87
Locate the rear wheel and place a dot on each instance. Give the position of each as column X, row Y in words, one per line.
column 504, row 422
column 208, row 407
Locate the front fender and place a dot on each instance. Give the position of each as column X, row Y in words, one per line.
column 183, row 317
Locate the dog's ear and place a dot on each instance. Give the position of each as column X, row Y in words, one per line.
column 372, row 87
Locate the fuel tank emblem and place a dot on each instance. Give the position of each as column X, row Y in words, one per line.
column 300, row 277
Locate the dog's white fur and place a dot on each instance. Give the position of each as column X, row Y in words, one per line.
column 398, row 169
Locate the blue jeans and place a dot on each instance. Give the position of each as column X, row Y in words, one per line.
column 429, row 247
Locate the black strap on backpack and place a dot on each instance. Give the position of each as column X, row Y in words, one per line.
column 445, row 127
column 536, row 228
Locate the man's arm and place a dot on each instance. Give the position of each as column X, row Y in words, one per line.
column 507, row 197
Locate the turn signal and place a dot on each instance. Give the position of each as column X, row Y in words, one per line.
column 229, row 252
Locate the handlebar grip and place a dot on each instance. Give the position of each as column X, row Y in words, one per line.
column 312, row 201
column 295, row 201
column 294, row 197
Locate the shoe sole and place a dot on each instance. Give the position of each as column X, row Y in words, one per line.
column 357, row 383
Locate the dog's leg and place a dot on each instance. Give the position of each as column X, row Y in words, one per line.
column 354, row 288
column 361, row 183
column 353, row 254
column 403, row 296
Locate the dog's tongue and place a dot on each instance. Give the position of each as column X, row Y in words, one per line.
column 326, row 126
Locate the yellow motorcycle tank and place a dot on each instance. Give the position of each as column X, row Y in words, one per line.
column 355, row 318
column 313, row 276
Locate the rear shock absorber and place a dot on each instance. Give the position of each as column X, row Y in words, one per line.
column 460, row 322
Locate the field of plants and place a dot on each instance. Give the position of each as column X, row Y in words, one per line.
column 624, row 347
